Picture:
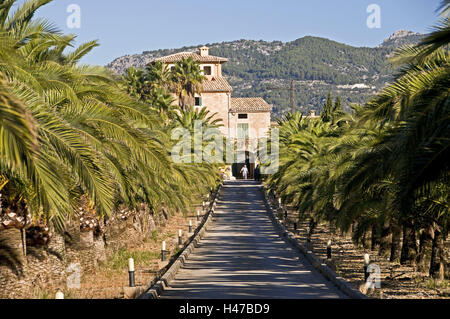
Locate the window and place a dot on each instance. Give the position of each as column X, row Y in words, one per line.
column 198, row 101
column 242, row 131
column 207, row 70
column 243, row 116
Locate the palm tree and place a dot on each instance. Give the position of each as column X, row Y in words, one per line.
column 187, row 80
column 80, row 133
column 163, row 101
column 188, row 117
column 159, row 76
column 18, row 136
column 135, row 83
column 417, row 105
column 385, row 168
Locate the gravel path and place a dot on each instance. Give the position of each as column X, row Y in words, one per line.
column 242, row 256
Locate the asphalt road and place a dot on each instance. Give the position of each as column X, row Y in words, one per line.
column 243, row 257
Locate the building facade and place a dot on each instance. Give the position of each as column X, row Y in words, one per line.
column 245, row 118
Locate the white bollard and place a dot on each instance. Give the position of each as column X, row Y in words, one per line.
column 163, row 251
column 366, row 266
column 180, row 237
column 131, row 264
column 329, row 249
column 131, row 273
column 366, row 259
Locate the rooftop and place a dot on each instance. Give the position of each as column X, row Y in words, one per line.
column 249, row 105
column 203, row 58
column 216, row 84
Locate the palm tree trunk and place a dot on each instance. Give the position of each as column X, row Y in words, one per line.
column 13, row 249
column 438, row 258
column 385, row 239
column 57, row 244
column 375, row 237
column 425, row 249
column 409, row 247
column 190, row 100
column 366, row 240
column 312, row 227
column 395, row 244
column 181, row 101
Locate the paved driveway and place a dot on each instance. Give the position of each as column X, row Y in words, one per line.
column 242, row 256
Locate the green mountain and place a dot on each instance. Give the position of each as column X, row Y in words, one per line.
column 317, row 65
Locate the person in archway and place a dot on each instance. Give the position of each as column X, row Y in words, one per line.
column 244, row 172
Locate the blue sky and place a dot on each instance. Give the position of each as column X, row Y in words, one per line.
column 134, row 26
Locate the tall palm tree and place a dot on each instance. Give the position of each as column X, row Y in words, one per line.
column 386, row 167
column 18, row 135
column 187, row 80
column 80, row 133
column 135, row 83
column 159, row 76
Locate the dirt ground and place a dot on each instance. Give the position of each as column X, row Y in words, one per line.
column 109, row 279
column 397, row 281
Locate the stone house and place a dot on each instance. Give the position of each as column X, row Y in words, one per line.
column 247, row 118
column 242, row 118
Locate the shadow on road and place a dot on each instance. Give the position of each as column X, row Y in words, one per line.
column 242, row 256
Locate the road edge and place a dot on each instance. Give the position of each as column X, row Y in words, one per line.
column 321, row 267
column 155, row 291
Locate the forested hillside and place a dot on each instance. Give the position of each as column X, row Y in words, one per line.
column 318, row 66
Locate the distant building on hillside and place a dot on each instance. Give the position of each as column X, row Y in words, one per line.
column 245, row 118
column 313, row 114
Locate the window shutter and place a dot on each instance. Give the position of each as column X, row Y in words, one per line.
column 243, row 131
column 198, row 101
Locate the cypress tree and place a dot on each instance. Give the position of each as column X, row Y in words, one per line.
column 328, row 109
column 338, row 104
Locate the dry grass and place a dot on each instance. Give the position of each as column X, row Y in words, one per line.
column 108, row 280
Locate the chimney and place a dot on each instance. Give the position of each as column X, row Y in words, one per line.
column 312, row 113
column 204, row 51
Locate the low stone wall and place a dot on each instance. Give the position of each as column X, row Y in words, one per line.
column 155, row 290
column 320, row 266
column 27, row 272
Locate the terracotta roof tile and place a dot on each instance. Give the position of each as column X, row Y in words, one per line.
column 177, row 57
column 249, row 105
column 217, row 84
